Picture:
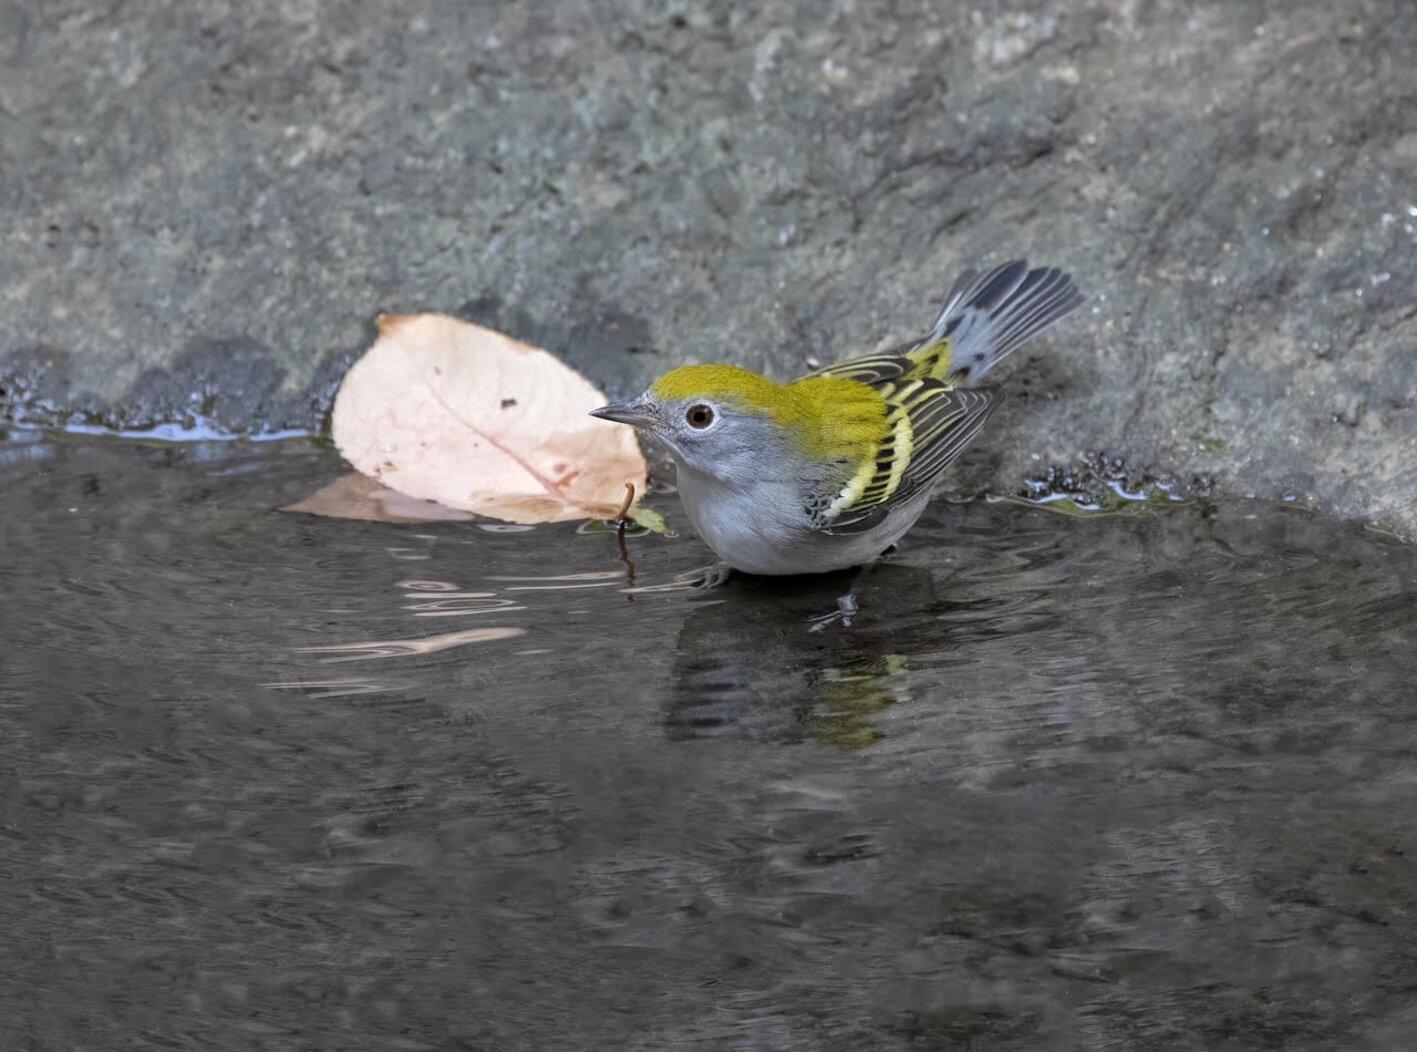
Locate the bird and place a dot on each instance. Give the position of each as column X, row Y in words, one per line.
column 827, row 471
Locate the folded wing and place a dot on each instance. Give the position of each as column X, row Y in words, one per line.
column 930, row 425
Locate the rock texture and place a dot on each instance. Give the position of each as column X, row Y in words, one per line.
column 205, row 204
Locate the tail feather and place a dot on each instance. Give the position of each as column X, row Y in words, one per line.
column 989, row 315
column 981, row 287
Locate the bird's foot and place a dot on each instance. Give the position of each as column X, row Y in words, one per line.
column 846, row 608
column 701, row 579
column 711, row 576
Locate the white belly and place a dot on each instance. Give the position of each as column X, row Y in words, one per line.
column 759, row 529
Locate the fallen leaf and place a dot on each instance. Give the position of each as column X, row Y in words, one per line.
column 444, row 410
column 356, row 496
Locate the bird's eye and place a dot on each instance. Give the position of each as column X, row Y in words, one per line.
column 699, row 416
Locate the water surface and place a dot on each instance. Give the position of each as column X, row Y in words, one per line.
column 277, row 782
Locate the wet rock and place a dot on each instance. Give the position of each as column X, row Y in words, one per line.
column 760, row 184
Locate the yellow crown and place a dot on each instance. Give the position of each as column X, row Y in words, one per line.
column 827, row 416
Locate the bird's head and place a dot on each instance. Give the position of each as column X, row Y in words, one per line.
column 733, row 424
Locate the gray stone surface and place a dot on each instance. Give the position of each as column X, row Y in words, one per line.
column 205, row 203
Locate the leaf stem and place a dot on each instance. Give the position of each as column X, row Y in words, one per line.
column 620, row 522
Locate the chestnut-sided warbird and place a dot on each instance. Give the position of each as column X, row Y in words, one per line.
column 829, row 470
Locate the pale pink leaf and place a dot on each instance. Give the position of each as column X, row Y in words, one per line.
column 448, row 411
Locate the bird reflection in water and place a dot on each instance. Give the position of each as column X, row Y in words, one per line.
column 791, row 659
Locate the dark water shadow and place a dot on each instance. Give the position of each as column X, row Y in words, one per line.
column 269, row 781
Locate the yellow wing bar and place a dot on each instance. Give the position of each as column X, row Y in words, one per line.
column 930, row 425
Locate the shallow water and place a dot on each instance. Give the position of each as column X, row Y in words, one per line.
column 272, row 781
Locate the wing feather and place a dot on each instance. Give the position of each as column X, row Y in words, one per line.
column 947, row 426
column 933, row 411
column 930, row 424
column 871, row 369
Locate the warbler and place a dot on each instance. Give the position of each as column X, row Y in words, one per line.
column 827, row 471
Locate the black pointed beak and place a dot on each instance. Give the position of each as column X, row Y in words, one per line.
column 625, row 413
